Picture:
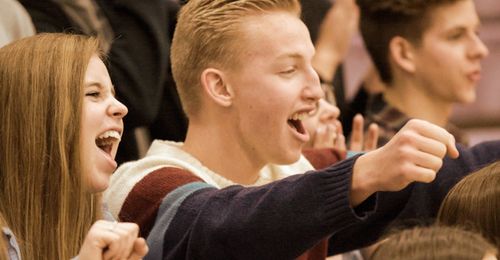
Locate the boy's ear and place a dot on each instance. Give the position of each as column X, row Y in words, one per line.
column 402, row 54
column 215, row 85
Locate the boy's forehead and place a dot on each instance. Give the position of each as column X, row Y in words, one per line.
column 451, row 15
column 281, row 35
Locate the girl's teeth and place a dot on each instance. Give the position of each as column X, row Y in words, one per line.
column 110, row 133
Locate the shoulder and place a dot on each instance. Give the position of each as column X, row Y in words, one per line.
column 129, row 174
column 164, row 180
column 142, row 203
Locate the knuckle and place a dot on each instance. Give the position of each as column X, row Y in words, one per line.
column 131, row 228
column 115, row 238
column 100, row 223
column 404, row 154
column 413, row 123
column 405, row 171
column 442, row 150
column 133, row 225
column 406, row 138
column 430, row 176
column 437, row 164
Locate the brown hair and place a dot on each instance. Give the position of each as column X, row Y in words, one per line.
column 42, row 191
column 382, row 20
column 206, row 35
column 433, row 243
column 474, row 202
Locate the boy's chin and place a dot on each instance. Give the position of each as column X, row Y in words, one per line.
column 290, row 159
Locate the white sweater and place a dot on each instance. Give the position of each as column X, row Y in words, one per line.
column 169, row 154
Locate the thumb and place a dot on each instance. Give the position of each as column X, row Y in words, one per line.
column 452, row 150
column 140, row 249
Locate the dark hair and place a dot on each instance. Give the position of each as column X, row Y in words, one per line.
column 382, row 20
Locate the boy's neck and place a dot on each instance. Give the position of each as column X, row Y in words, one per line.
column 415, row 103
column 220, row 152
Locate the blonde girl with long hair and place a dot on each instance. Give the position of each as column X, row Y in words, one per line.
column 60, row 126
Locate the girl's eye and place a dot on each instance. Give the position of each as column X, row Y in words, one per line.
column 92, row 94
column 315, row 111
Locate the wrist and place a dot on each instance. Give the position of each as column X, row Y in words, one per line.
column 362, row 184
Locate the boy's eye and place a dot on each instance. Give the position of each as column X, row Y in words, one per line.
column 289, row 71
column 456, row 35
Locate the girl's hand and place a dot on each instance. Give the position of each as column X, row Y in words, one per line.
column 113, row 240
column 359, row 141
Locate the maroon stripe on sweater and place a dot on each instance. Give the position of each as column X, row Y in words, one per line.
column 142, row 203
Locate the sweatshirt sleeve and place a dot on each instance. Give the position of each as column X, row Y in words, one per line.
column 418, row 203
column 280, row 220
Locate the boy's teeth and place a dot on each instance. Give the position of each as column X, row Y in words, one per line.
column 299, row 116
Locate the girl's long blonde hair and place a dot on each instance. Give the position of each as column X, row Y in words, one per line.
column 42, row 191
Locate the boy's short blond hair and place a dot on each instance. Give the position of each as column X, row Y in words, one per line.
column 207, row 35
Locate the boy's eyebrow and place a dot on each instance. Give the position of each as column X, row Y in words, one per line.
column 290, row 55
column 476, row 25
column 294, row 55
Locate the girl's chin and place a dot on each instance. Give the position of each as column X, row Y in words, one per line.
column 99, row 185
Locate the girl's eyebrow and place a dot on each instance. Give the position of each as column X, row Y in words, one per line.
column 93, row 83
column 100, row 86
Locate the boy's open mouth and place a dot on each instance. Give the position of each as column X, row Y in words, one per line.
column 295, row 121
